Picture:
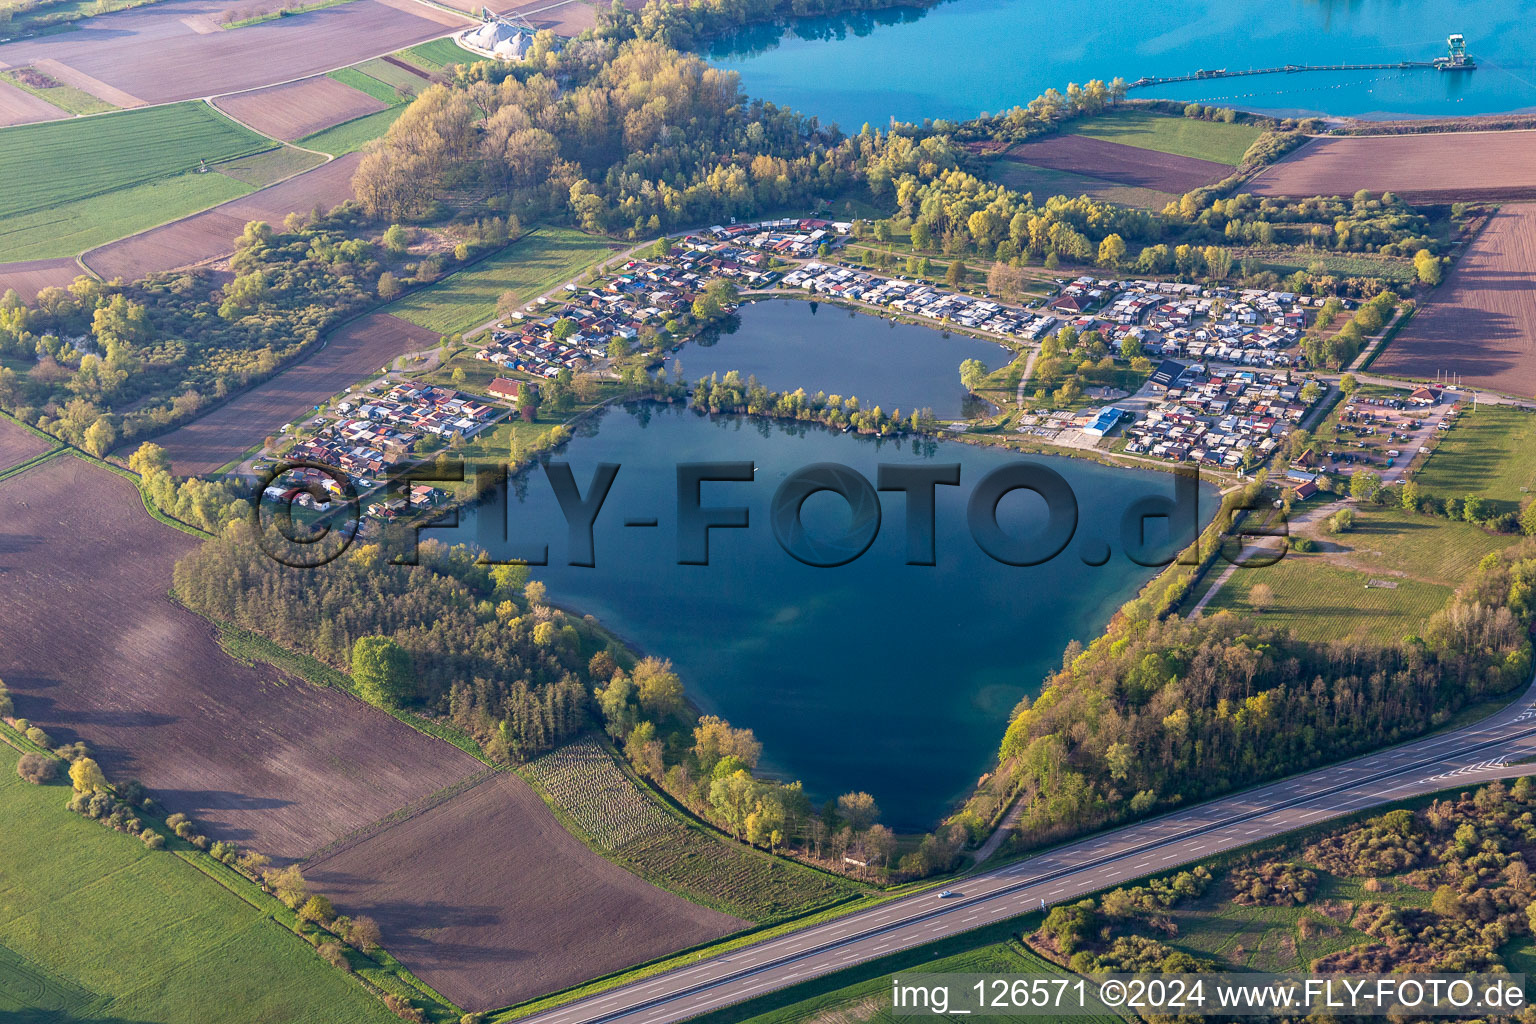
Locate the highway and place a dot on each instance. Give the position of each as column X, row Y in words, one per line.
column 1467, row 756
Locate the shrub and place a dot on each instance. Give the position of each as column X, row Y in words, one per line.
column 152, row 839
column 363, row 932
column 317, row 910
column 37, row 769
column 402, row 1008
column 335, row 955
column 39, row 737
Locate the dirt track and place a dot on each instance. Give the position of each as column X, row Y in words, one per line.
column 1481, row 323
column 349, row 355
column 211, row 235
column 1433, row 168
column 501, row 903
column 17, row 445
column 32, row 276
column 1113, row 161
column 175, row 49
column 298, row 109
column 92, row 648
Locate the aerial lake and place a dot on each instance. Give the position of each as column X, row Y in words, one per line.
column 875, row 675
column 966, row 56
column 789, row 344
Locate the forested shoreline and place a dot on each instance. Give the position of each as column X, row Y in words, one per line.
column 1161, row 711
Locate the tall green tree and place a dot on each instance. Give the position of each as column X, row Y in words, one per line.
column 382, row 671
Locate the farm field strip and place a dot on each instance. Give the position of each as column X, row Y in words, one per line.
column 1481, row 322
column 17, row 445
column 489, row 900
column 211, row 234
column 92, row 648
column 351, row 136
column 28, row 278
column 587, row 786
column 1215, row 141
column 78, row 226
column 301, row 108
column 1044, row 183
column 150, row 937
column 1435, row 167
column 1113, row 161
column 18, row 106
column 158, row 54
column 47, row 165
column 540, row 260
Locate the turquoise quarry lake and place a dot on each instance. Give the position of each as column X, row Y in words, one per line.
column 876, row 675
column 965, row 56
column 789, row 344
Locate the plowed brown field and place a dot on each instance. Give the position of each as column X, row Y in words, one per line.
column 1113, row 161
column 349, row 355
column 92, row 648
column 1481, row 323
column 174, row 51
column 17, row 106
column 298, row 109
column 17, row 445
column 32, row 276
column 211, row 235
column 490, row 901
column 1435, row 168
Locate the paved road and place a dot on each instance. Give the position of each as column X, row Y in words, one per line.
column 1467, row 756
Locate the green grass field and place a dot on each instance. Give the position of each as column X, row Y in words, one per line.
column 1319, row 602
column 1490, row 453
column 363, row 82
column 47, row 165
column 273, row 165
column 438, row 53
column 1166, row 133
column 393, row 75
column 1386, row 540
column 540, row 260
column 353, row 135
column 94, row 927
column 71, row 228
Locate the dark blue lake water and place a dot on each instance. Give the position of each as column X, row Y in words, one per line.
column 789, row 344
column 876, row 675
column 966, row 56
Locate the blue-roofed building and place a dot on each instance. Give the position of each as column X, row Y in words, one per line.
column 1108, row 418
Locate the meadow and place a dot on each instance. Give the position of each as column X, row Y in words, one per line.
column 1217, row 141
column 1381, row 580
column 1319, row 602
column 1490, row 452
column 150, row 938
column 540, row 260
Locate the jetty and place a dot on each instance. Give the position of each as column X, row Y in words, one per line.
column 1284, row 69
column 1456, row 59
